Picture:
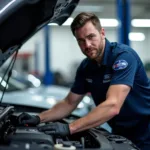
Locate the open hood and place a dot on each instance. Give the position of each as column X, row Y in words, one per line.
column 20, row 19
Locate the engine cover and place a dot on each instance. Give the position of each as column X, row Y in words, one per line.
column 30, row 135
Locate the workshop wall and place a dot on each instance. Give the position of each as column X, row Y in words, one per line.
column 65, row 52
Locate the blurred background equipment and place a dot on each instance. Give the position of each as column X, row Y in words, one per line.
column 55, row 49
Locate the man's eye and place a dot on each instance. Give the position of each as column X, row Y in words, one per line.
column 91, row 36
column 80, row 41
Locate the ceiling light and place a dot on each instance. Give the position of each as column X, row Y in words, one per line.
column 136, row 36
column 109, row 22
column 104, row 22
column 140, row 22
column 112, row 22
column 89, row 8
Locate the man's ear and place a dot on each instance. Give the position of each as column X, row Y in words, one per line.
column 102, row 32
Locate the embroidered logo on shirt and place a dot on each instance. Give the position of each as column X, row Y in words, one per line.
column 120, row 64
column 89, row 80
column 107, row 78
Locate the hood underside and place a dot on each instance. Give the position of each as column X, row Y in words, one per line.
column 20, row 19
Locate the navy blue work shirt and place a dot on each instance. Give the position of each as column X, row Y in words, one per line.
column 120, row 65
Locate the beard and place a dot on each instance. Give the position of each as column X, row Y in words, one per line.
column 94, row 53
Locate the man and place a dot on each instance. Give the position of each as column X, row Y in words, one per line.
column 115, row 76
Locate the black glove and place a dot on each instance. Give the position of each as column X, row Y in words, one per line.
column 55, row 129
column 25, row 118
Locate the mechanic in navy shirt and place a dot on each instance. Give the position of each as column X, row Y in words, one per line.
column 114, row 75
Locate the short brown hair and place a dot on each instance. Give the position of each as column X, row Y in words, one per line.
column 82, row 18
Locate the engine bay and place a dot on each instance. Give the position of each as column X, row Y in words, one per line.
column 22, row 138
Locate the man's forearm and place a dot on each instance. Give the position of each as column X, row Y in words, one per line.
column 59, row 111
column 73, row 130
column 98, row 116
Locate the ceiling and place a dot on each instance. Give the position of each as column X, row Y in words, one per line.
column 140, row 9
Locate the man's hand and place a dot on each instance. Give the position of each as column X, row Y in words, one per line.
column 55, row 129
column 25, row 118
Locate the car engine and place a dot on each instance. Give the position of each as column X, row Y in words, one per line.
column 13, row 137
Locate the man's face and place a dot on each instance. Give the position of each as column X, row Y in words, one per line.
column 91, row 41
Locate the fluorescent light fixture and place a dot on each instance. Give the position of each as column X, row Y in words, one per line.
column 109, row 22
column 83, row 8
column 112, row 22
column 136, row 36
column 140, row 22
column 104, row 22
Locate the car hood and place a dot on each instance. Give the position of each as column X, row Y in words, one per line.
column 20, row 19
column 43, row 97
